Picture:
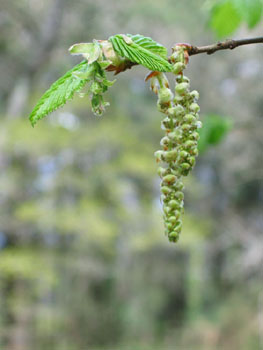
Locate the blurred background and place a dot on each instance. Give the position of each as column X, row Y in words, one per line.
column 84, row 263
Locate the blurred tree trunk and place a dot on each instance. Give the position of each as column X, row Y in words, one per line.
column 18, row 336
column 47, row 38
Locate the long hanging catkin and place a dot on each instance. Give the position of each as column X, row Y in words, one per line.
column 179, row 145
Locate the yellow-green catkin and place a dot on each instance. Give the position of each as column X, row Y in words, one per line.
column 179, row 145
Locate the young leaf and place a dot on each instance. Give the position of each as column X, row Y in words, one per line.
column 149, row 44
column 126, row 47
column 81, row 48
column 60, row 92
column 225, row 18
column 250, row 10
column 214, row 129
column 90, row 51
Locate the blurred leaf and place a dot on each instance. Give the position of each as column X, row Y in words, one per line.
column 213, row 131
column 26, row 264
column 250, row 10
column 225, row 18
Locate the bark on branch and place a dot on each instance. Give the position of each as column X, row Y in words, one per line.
column 224, row 45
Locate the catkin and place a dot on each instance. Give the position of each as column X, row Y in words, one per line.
column 179, row 145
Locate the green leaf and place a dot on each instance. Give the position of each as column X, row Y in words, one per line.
column 213, row 131
column 60, row 92
column 225, row 18
column 104, row 64
column 125, row 47
column 250, row 10
column 98, row 104
column 108, row 83
column 90, row 51
column 81, row 48
column 149, row 44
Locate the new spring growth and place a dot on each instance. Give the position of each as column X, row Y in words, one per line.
column 116, row 54
column 179, row 145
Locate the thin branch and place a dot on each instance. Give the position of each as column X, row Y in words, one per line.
column 195, row 50
column 228, row 44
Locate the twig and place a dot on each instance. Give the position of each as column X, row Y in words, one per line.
column 195, row 50
column 228, row 44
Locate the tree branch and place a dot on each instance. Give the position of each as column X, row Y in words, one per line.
column 228, row 44
column 195, row 50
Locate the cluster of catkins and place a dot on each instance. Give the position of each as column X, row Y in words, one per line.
column 179, row 145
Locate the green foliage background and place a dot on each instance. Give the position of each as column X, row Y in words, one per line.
column 83, row 260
